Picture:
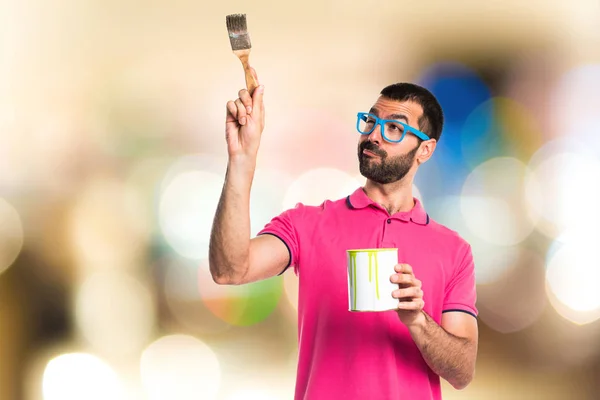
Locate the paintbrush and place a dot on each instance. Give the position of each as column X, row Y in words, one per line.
column 240, row 44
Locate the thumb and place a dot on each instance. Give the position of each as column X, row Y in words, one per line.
column 257, row 98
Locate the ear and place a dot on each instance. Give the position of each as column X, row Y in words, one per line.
column 426, row 151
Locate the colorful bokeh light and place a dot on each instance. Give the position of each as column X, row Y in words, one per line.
column 573, row 284
column 11, row 235
column 243, row 305
column 114, row 312
column 493, row 202
column 183, row 298
column 180, row 367
column 78, row 376
column 499, row 127
column 460, row 90
column 314, row 186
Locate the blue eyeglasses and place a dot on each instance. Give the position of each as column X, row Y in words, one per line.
column 392, row 131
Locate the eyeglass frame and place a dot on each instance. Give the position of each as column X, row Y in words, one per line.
column 382, row 122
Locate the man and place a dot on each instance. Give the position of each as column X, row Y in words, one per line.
column 399, row 354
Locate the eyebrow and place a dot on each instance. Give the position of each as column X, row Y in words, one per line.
column 373, row 110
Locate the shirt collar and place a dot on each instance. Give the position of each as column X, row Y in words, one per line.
column 417, row 214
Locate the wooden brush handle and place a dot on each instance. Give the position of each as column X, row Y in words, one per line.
column 251, row 83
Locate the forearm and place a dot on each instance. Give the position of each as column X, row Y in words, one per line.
column 449, row 356
column 230, row 236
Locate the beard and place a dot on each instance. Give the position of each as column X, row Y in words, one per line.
column 386, row 169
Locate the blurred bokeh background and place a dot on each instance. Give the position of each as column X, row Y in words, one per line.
column 112, row 158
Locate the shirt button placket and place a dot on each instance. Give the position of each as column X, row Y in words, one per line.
column 387, row 239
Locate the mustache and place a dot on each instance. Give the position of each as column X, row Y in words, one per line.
column 372, row 147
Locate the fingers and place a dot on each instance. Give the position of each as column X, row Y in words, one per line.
column 408, row 294
column 243, row 106
column 405, row 280
column 231, row 111
column 409, row 298
column 244, row 96
column 414, row 305
column 247, row 109
column 241, row 112
column 403, row 269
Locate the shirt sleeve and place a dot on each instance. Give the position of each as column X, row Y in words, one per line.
column 284, row 226
column 460, row 291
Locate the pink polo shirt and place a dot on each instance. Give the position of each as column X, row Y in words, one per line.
column 350, row 355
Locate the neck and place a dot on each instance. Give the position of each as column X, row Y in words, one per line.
column 394, row 197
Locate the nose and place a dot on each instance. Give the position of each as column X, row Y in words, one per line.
column 376, row 136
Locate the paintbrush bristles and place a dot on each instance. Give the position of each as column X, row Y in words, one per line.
column 236, row 23
column 238, row 32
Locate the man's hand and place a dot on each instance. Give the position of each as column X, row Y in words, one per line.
column 409, row 295
column 245, row 122
column 450, row 352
